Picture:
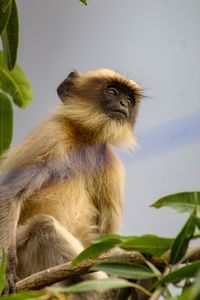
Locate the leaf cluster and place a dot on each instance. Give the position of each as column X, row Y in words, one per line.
column 14, row 86
column 179, row 269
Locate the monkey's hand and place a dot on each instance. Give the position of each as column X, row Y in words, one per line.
column 10, row 286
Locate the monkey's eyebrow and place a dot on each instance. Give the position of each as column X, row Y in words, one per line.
column 125, row 85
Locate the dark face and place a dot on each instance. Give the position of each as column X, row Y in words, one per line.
column 115, row 97
column 118, row 102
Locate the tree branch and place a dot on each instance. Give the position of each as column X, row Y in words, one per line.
column 68, row 271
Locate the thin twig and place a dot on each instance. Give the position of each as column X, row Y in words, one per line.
column 156, row 295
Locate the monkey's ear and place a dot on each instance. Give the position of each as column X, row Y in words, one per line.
column 65, row 88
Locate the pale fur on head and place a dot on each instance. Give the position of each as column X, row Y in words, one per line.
column 107, row 130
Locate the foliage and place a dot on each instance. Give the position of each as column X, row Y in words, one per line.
column 98, row 247
column 192, row 292
column 93, row 285
column 146, row 244
column 9, row 30
column 10, row 34
column 84, row 1
column 13, row 82
column 180, row 244
column 187, row 271
column 2, row 271
column 183, row 202
column 15, row 87
column 30, row 295
column 6, row 124
column 180, row 271
column 130, row 271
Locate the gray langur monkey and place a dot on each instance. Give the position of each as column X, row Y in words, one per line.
column 62, row 186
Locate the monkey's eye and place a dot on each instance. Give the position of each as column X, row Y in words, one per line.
column 130, row 100
column 112, row 91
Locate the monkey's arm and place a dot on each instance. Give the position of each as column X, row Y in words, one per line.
column 9, row 214
column 15, row 187
column 111, row 186
column 25, row 169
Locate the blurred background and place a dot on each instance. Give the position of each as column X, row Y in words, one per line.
column 156, row 43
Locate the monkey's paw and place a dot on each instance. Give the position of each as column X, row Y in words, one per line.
column 10, row 287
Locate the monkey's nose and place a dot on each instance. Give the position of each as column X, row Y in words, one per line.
column 124, row 103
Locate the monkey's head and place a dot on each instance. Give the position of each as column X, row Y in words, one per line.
column 103, row 104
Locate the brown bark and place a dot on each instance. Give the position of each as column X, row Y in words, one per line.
column 66, row 271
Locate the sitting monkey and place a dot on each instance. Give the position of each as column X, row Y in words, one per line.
column 62, row 186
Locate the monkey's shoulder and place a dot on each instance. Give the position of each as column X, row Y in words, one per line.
column 99, row 159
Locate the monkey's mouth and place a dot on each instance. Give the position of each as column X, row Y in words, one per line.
column 118, row 114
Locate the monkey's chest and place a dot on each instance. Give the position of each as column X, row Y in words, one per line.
column 70, row 203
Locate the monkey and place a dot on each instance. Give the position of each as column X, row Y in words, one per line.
column 62, row 186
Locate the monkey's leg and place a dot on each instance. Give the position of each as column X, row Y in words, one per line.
column 43, row 243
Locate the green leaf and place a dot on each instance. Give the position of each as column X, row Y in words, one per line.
column 2, row 271
column 180, row 244
column 130, row 271
column 5, row 10
column 98, row 247
column 15, row 84
column 148, row 244
column 197, row 222
column 5, row 4
column 91, row 285
column 6, row 123
column 10, row 37
column 153, row 268
column 84, row 1
column 180, row 274
column 110, row 237
column 182, row 202
column 190, row 293
column 28, row 295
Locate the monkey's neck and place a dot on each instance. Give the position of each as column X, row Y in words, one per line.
column 90, row 159
column 85, row 138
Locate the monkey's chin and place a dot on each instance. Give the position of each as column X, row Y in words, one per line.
column 118, row 115
column 119, row 133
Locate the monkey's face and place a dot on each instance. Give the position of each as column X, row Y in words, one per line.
column 118, row 102
column 101, row 101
